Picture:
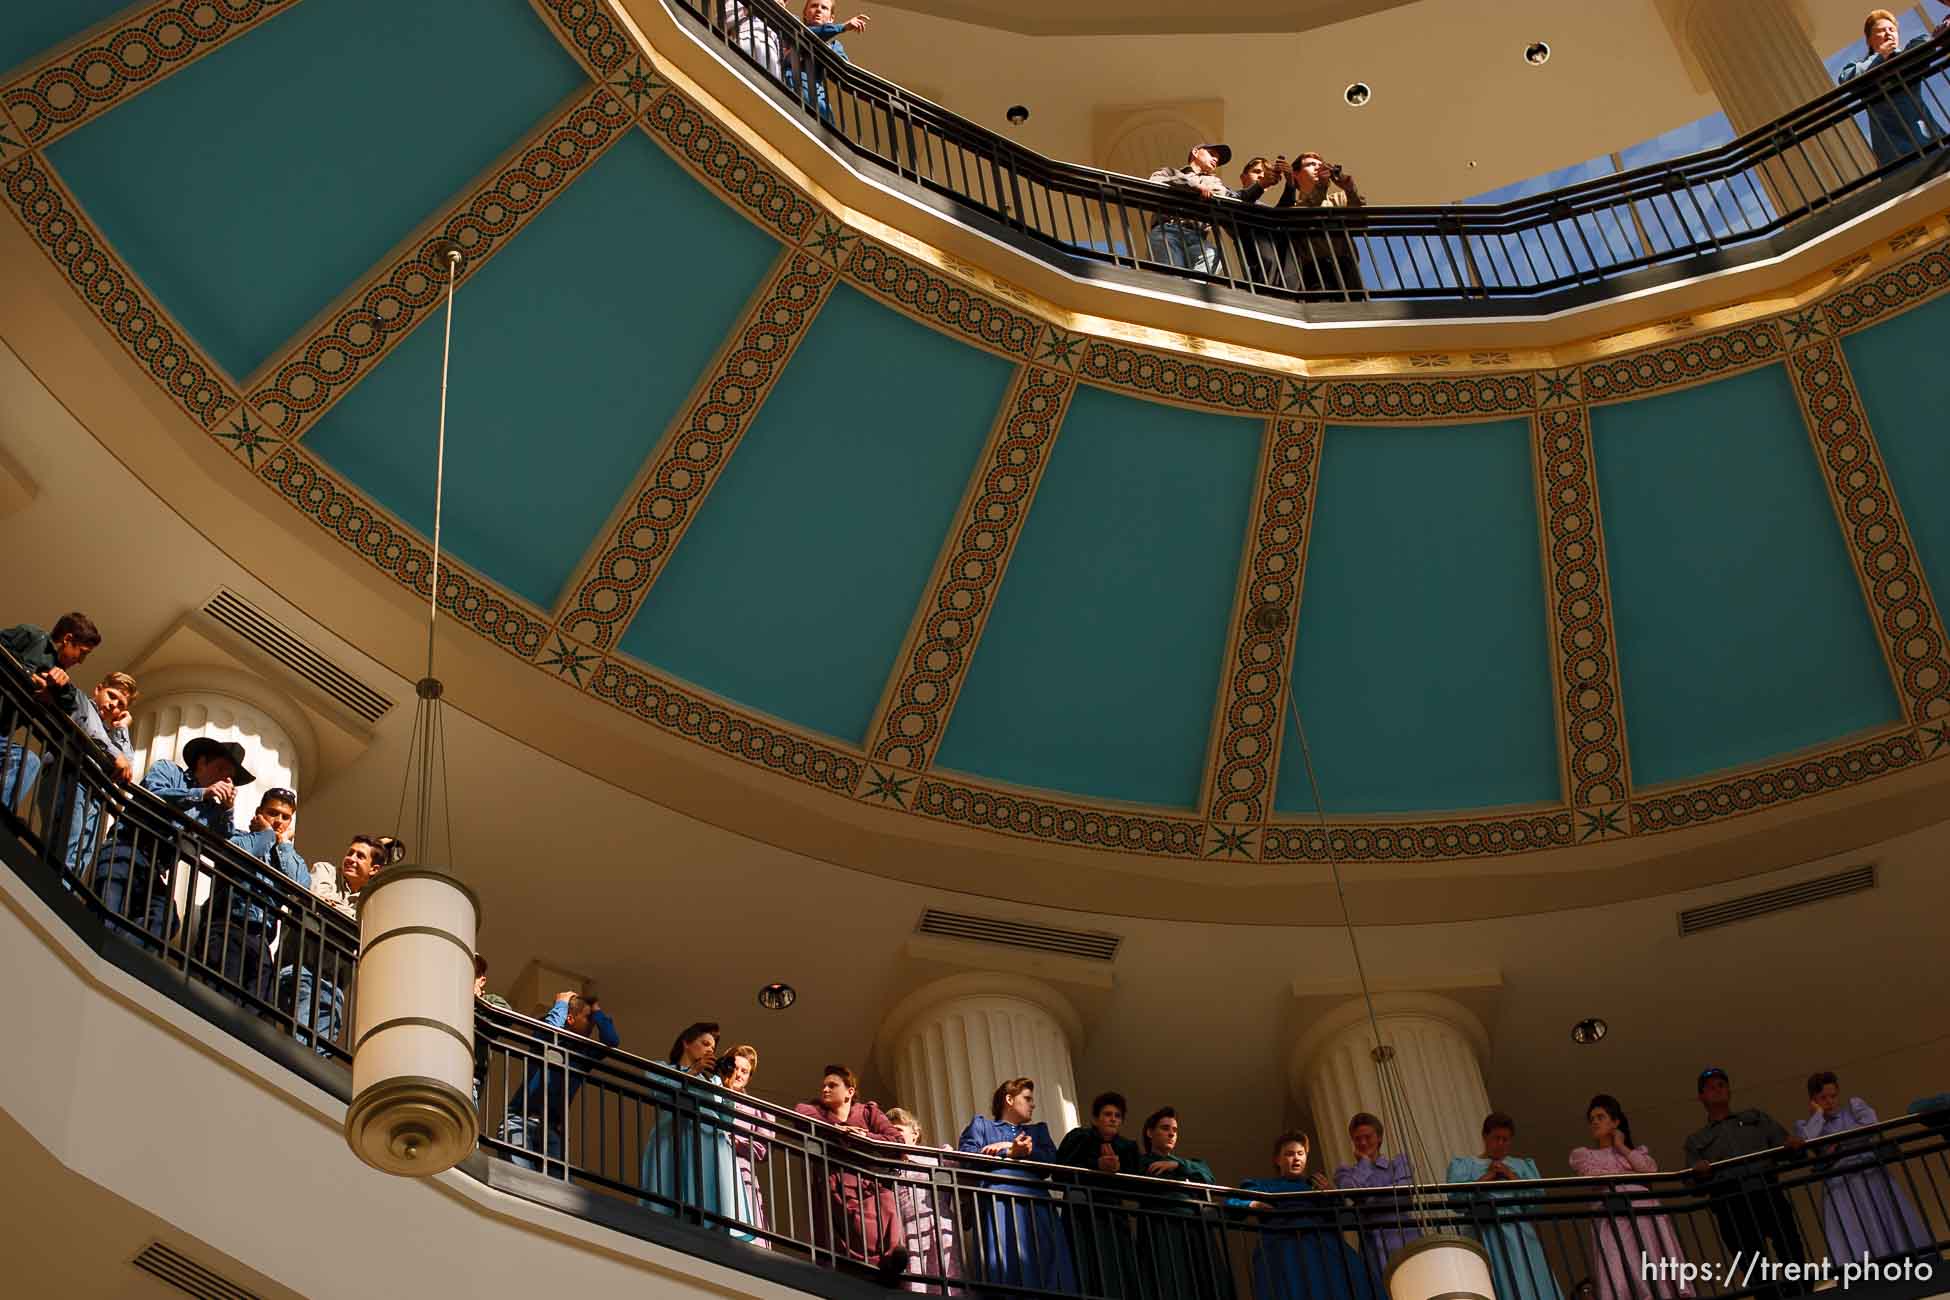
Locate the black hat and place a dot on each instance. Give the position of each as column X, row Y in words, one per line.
column 1713, row 1072
column 1223, row 152
column 204, row 747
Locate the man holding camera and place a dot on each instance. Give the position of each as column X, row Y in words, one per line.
column 1323, row 263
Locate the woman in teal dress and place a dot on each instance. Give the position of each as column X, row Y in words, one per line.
column 1178, row 1248
column 1300, row 1255
column 1517, row 1258
column 688, row 1159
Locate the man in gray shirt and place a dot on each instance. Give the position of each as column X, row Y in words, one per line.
column 1749, row 1207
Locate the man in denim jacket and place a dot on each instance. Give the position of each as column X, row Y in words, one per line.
column 135, row 887
column 241, row 919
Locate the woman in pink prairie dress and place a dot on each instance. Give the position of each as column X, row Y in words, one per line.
column 1625, row 1248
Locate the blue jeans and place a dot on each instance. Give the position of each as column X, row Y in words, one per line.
column 1182, row 244
column 527, row 1130
column 134, row 889
column 20, row 767
column 313, row 996
column 812, row 90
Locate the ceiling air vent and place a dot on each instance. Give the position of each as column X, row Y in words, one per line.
column 1087, row 944
column 1748, row 906
column 188, row 1276
column 289, row 649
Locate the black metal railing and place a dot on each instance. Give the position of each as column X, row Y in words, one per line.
column 1819, row 164
column 679, row 1147
column 641, row 1147
column 218, row 916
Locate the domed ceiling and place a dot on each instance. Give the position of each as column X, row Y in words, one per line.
column 765, row 482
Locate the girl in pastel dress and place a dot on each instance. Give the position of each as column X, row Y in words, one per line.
column 1623, row 1246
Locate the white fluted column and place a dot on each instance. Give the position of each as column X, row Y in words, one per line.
column 947, row 1045
column 1757, row 58
column 1439, row 1047
column 160, row 726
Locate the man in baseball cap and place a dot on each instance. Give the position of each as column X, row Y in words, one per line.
column 1747, row 1204
column 1186, row 242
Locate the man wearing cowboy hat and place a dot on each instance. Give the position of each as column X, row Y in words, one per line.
column 203, row 787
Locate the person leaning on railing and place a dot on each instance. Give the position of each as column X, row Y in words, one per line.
column 48, row 658
column 1187, row 241
column 756, row 37
column 1747, row 1204
column 137, row 872
column 818, row 15
column 103, row 716
column 930, row 1230
column 1300, row 1255
column 1323, row 262
column 1176, row 1248
column 870, row 1219
column 537, row 1113
column 1638, row 1256
column 1864, row 1214
column 1023, row 1244
column 242, row 918
column 1899, row 124
column 1517, row 1258
column 1101, row 1235
column 1388, row 1232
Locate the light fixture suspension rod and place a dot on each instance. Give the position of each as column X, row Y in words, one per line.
column 440, row 450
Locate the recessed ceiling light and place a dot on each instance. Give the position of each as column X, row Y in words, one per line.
column 1017, row 114
column 1589, row 1031
column 1357, row 94
column 1537, row 53
column 777, row 997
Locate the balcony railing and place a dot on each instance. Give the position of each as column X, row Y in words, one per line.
column 645, row 1149
column 214, row 915
column 1748, row 199
column 677, row 1147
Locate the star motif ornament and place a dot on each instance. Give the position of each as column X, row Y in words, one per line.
column 886, row 787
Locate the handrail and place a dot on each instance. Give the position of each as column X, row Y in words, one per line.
column 1800, row 173
column 163, row 881
column 747, row 1171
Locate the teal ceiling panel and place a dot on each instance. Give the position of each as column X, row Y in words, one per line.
column 568, row 366
column 1898, row 369
column 1099, row 669
column 30, row 30
column 253, row 186
column 793, row 588
column 1742, row 631
column 1423, row 647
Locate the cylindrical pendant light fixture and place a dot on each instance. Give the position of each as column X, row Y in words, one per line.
column 412, row 1106
column 1440, row 1264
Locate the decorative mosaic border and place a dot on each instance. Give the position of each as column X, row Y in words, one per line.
column 1245, row 758
column 309, row 376
column 1590, row 704
column 1417, row 841
column 397, row 552
column 1775, row 783
column 1907, row 622
column 704, row 148
column 684, row 468
column 1665, row 367
column 689, row 714
column 935, row 657
column 1403, row 401
column 88, row 79
column 191, row 379
column 1159, row 376
column 1907, row 284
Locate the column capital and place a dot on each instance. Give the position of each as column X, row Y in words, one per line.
column 969, row 987
column 1353, row 1013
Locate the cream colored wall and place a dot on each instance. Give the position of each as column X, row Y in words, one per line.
column 129, row 1092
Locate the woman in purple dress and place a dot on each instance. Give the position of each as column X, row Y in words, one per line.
column 930, row 1233
column 1626, row 1248
column 1372, row 1169
column 747, row 1142
column 1863, row 1212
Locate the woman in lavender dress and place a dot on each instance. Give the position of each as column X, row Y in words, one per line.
column 747, row 1142
column 1863, row 1211
column 1372, row 1169
column 930, row 1233
column 1623, row 1246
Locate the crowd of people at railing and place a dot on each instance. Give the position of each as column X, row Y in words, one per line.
column 895, row 1227
column 1313, row 262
